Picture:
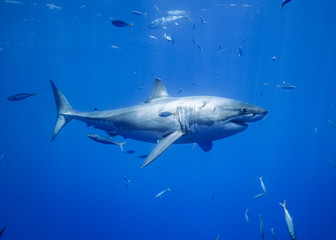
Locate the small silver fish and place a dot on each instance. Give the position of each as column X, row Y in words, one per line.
column 114, row 47
column 157, row 9
column 13, row 2
column 126, row 181
column 240, row 51
column 261, row 228
column 259, row 195
column 151, row 36
column 203, row 21
column 286, row 86
column 120, row 23
column 53, row 6
column 273, row 58
column 262, row 184
column 273, row 234
column 2, row 155
column 162, row 192
column 169, row 38
column 101, row 139
column 199, row 46
column 332, row 123
column 135, row 12
column 289, row 222
column 246, row 218
column 20, row 96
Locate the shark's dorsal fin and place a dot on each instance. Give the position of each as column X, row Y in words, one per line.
column 159, row 91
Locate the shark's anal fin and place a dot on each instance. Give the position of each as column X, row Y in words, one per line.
column 163, row 144
column 206, row 146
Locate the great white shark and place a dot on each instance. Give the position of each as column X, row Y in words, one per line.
column 166, row 120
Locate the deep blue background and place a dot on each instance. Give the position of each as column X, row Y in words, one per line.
column 73, row 188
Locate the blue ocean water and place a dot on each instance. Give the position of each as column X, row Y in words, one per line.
column 73, row 188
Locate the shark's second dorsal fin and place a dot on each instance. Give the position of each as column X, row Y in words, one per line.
column 159, row 91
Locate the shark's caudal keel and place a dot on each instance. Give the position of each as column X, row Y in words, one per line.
column 166, row 120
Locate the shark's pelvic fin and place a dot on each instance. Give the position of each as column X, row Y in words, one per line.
column 159, row 91
column 63, row 107
column 206, row 146
column 162, row 145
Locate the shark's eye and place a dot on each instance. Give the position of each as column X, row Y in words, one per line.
column 244, row 110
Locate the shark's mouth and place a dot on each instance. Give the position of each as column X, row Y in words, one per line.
column 240, row 123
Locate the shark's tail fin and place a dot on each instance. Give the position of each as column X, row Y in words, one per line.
column 63, row 107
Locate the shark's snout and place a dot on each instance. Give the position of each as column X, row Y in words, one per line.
column 258, row 115
column 251, row 114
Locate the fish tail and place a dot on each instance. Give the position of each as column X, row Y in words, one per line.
column 121, row 145
column 63, row 108
column 131, row 24
column 283, row 204
column 168, row 189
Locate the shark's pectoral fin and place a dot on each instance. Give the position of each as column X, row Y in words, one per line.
column 206, row 146
column 162, row 145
